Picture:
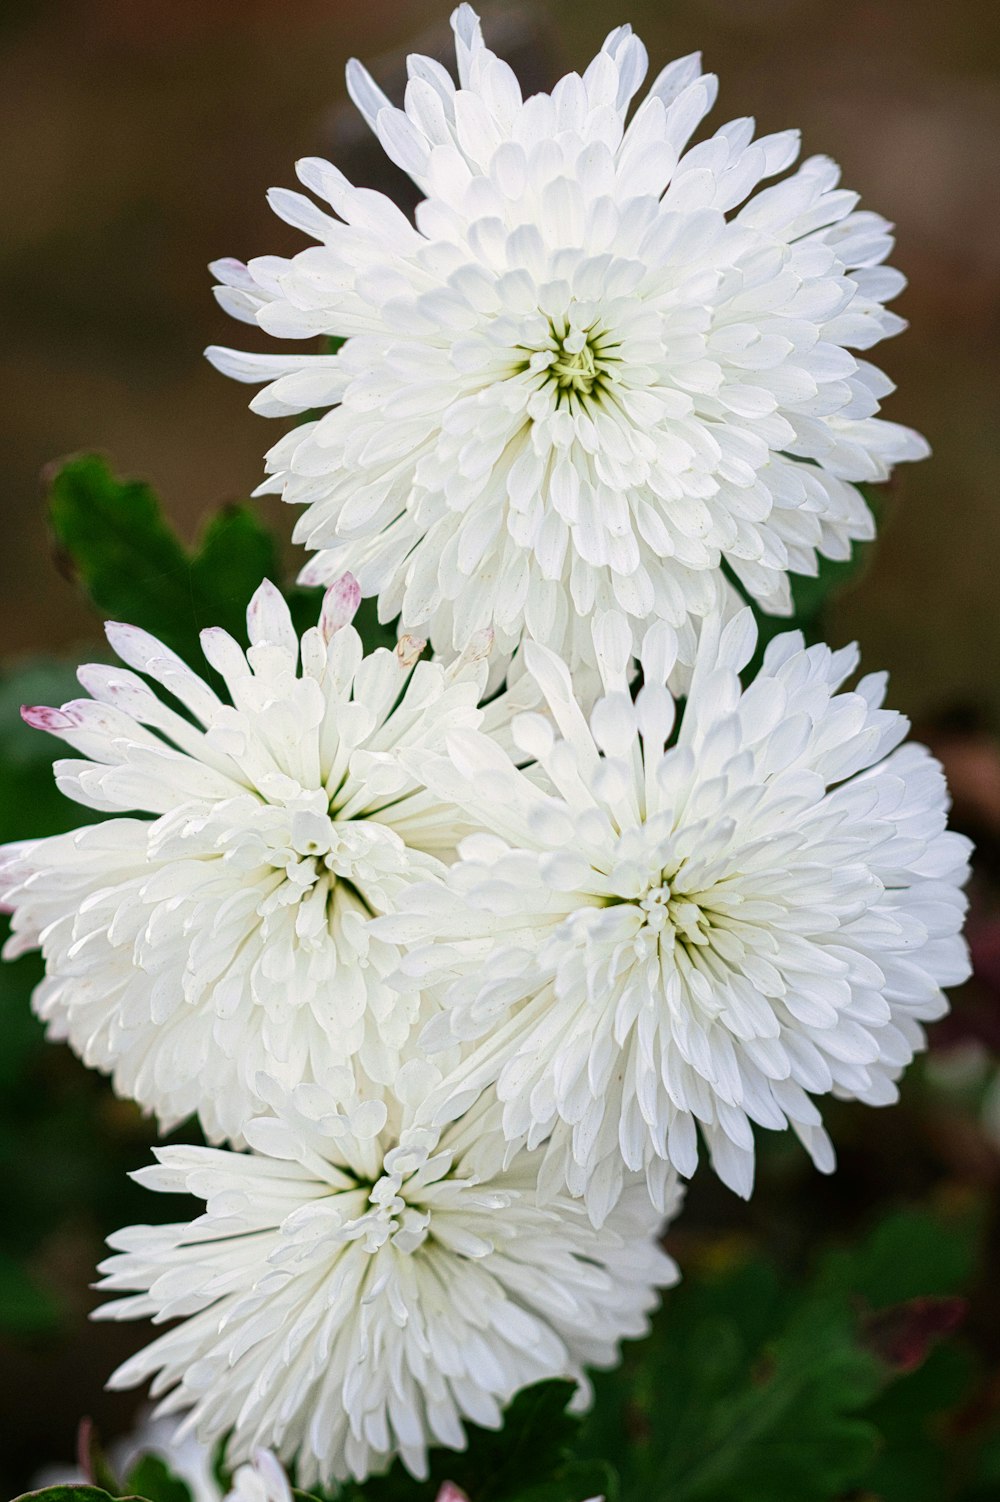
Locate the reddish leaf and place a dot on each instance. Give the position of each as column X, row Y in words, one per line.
column 902, row 1335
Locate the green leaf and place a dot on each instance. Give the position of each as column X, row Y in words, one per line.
column 759, row 1385
column 792, row 1429
column 74, row 1494
column 235, row 553
column 910, row 1255
column 916, row 1462
column 221, row 1472
column 115, row 541
column 574, row 1481
column 530, row 1457
column 744, row 1398
column 151, row 1477
column 531, row 1447
column 93, row 1459
column 984, row 1483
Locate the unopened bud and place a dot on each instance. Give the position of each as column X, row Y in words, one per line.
column 340, row 604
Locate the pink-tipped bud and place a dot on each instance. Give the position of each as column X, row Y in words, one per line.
column 39, row 717
column 449, row 1492
column 340, row 604
column 409, row 649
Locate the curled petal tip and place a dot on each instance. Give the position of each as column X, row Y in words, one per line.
column 408, row 649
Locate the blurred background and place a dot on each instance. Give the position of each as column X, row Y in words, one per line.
column 138, row 139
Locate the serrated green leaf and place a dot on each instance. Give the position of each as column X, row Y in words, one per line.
column 792, row 1430
column 532, row 1450
column 152, row 1478
column 234, row 554
column 909, row 1255
column 757, row 1385
column 75, row 1494
column 533, row 1443
column 915, row 1461
column 222, row 1473
column 576, row 1481
column 116, row 542
column 743, row 1398
column 114, row 539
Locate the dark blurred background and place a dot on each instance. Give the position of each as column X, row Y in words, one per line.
column 139, row 137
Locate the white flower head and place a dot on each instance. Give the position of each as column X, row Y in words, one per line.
column 219, row 922
column 601, row 364
column 680, row 928
column 361, row 1284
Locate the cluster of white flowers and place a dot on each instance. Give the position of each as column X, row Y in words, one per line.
column 457, row 957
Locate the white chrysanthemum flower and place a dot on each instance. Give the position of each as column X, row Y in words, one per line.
column 226, row 929
column 600, row 365
column 360, row 1284
column 693, row 927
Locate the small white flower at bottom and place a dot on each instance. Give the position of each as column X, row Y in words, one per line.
column 359, row 1285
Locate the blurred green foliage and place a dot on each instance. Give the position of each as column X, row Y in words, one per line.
column 757, row 1386
column 152, row 1479
column 58, row 1163
column 753, row 1387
